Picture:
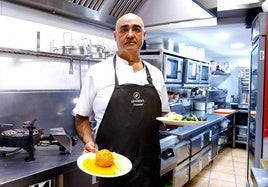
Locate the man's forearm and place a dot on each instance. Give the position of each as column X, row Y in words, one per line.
column 83, row 129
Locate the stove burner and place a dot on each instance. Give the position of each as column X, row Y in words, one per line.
column 13, row 140
column 18, row 133
column 18, row 137
column 22, row 138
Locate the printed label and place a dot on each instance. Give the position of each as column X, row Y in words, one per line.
column 137, row 100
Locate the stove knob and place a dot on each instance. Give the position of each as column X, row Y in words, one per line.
column 167, row 154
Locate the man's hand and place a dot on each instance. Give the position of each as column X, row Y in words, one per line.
column 90, row 147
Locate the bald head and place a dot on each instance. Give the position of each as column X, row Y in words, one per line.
column 129, row 16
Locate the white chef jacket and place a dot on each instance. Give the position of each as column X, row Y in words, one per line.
column 98, row 86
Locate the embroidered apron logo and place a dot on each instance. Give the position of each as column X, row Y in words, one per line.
column 136, row 101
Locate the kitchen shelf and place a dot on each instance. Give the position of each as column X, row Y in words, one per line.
column 240, row 130
column 241, row 142
column 218, row 72
column 221, row 146
column 252, row 132
column 225, row 129
column 49, row 54
column 226, row 132
column 241, row 126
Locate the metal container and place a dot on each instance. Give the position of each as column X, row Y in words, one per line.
column 160, row 43
column 71, row 50
column 96, row 51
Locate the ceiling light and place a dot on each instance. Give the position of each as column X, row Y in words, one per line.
column 237, row 45
column 221, row 36
column 265, row 6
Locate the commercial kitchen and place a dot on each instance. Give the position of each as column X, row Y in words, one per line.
column 46, row 48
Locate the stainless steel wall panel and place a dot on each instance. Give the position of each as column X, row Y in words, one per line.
column 42, row 88
column 20, row 72
column 50, row 108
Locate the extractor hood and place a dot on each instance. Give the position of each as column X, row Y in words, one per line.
column 223, row 9
column 106, row 12
column 153, row 12
column 100, row 12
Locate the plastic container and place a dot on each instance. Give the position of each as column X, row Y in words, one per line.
column 234, row 105
column 241, row 137
column 242, row 131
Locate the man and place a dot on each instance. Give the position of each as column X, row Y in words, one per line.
column 125, row 95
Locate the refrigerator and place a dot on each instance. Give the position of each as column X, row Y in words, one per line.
column 257, row 145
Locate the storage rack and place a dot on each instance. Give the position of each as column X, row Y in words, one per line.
column 49, row 54
column 243, row 86
column 240, row 130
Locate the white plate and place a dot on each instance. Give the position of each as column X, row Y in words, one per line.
column 121, row 166
column 179, row 123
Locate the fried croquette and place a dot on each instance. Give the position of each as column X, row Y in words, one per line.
column 104, row 158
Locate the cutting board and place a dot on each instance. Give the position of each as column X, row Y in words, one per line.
column 224, row 111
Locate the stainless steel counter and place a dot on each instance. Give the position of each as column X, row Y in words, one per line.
column 48, row 163
column 186, row 131
column 260, row 177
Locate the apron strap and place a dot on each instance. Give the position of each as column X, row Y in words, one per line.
column 149, row 78
column 115, row 76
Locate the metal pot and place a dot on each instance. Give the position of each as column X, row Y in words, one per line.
column 91, row 49
column 98, row 55
column 100, row 48
column 83, row 50
column 71, row 50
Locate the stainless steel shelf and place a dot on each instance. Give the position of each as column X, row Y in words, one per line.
column 50, row 55
column 241, row 142
column 217, row 72
column 241, row 126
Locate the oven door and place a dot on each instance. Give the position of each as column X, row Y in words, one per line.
column 192, row 71
column 172, row 69
column 204, row 73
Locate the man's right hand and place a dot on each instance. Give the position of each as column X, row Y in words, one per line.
column 90, row 147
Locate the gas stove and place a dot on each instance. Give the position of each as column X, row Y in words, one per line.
column 13, row 140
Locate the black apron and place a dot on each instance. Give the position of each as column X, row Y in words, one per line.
column 129, row 128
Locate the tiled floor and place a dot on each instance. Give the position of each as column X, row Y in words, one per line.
column 227, row 170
